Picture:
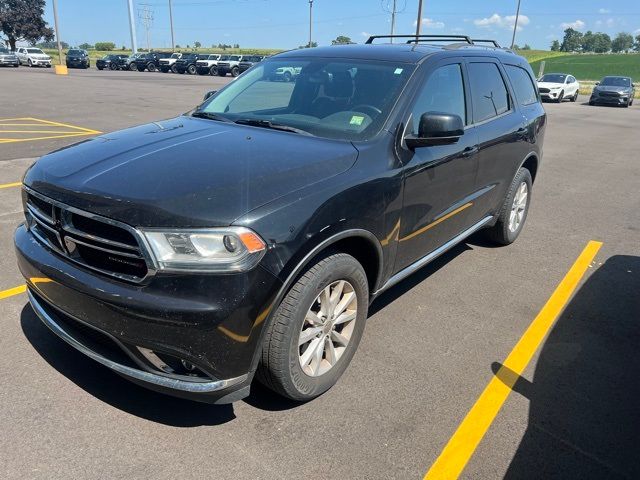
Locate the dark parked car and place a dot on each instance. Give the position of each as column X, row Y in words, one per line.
column 130, row 61
column 112, row 62
column 8, row 58
column 249, row 61
column 77, row 58
column 249, row 236
column 613, row 91
column 150, row 61
column 187, row 63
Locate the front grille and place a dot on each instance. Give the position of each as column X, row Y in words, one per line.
column 610, row 94
column 202, row 64
column 223, row 64
column 94, row 242
column 544, row 90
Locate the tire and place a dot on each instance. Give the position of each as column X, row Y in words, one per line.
column 502, row 232
column 191, row 70
column 235, row 71
column 575, row 97
column 133, row 67
column 99, row 68
column 280, row 365
column 151, row 67
column 560, row 97
column 287, row 76
column 112, row 66
column 141, row 69
column 174, row 69
column 213, row 70
column 30, row 63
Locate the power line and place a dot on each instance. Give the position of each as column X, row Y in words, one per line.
column 145, row 14
column 391, row 6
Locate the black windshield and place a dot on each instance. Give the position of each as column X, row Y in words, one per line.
column 616, row 82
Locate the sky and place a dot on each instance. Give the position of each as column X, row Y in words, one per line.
column 285, row 23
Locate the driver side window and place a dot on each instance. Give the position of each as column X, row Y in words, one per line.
column 443, row 92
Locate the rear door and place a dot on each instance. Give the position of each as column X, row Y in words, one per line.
column 438, row 179
column 501, row 129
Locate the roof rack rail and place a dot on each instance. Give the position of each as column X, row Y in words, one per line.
column 492, row 42
column 416, row 38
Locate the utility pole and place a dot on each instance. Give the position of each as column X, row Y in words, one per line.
column 515, row 26
column 310, row 22
column 146, row 18
column 419, row 23
column 173, row 40
column 391, row 7
column 132, row 28
column 55, row 21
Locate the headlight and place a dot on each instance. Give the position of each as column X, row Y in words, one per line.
column 220, row 250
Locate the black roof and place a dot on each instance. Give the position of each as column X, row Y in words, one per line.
column 399, row 52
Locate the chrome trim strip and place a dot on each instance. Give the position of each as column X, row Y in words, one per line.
column 69, row 228
column 402, row 274
column 35, row 211
column 107, row 250
column 159, row 380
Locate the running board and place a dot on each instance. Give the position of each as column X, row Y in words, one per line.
column 414, row 267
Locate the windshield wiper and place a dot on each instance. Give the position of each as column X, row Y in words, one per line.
column 254, row 122
column 210, row 116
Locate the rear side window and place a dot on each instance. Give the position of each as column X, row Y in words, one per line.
column 522, row 84
column 443, row 92
column 488, row 91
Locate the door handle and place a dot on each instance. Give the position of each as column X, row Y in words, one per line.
column 521, row 131
column 470, row 151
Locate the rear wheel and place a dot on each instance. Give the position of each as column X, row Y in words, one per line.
column 514, row 210
column 151, row 67
column 191, row 69
column 287, row 76
column 213, row 70
column 174, row 69
column 133, row 67
column 316, row 329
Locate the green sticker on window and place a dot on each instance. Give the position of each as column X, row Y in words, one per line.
column 356, row 120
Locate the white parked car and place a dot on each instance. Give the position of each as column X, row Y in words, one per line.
column 558, row 86
column 34, row 57
column 167, row 64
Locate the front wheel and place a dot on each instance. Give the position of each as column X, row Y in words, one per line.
column 575, row 97
column 560, row 97
column 151, row 67
column 30, row 63
column 213, row 70
column 235, row 71
column 514, row 210
column 316, row 329
column 191, row 69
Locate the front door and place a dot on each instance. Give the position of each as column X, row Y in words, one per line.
column 439, row 180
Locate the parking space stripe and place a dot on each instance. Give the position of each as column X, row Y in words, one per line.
column 88, row 130
column 62, row 135
column 9, row 185
column 13, row 291
column 465, row 440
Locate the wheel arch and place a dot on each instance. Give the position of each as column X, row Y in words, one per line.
column 531, row 163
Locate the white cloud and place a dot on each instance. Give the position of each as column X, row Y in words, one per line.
column 430, row 23
column 365, row 34
column 577, row 25
column 604, row 11
column 508, row 21
column 609, row 23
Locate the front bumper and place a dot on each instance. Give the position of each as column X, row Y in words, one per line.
column 9, row 61
column 40, row 63
column 606, row 100
column 212, row 322
column 550, row 95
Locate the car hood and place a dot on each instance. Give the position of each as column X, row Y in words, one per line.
column 611, row 88
column 550, row 85
column 38, row 55
column 186, row 172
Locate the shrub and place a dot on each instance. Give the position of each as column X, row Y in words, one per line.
column 105, row 46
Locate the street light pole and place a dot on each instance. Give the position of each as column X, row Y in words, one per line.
column 55, row 21
column 393, row 20
column 132, row 28
column 310, row 21
column 515, row 26
column 173, row 41
column 419, row 22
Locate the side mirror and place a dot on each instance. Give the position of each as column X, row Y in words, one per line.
column 436, row 128
column 209, row 94
column 597, row 83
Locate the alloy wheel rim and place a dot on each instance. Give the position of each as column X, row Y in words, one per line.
column 519, row 207
column 327, row 328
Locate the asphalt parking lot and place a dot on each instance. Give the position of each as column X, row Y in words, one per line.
column 432, row 345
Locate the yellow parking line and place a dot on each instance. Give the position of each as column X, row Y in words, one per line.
column 13, row 291
column 66, row 135
column 460, row 448
column 9, row 185
column 38, row 131
column 88, row 130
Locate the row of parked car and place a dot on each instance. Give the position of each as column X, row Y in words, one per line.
column 190, row 63
column 611, row 90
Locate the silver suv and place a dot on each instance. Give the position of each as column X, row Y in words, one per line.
column 34, row 57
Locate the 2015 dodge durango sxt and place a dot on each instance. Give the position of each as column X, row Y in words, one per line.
column 248, row 237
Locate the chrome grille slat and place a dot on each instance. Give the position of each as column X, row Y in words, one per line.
column 108, row 256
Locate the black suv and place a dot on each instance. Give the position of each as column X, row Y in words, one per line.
column 249, row 61
column 613, row 91
column 249, row 236
column 78, row 59
column 112, row 62
column 150, row 61
column 187, row 63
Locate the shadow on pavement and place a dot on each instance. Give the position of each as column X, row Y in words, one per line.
column 114, row 390
column 584, row 414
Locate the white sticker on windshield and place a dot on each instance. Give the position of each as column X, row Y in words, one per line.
column 398, row 71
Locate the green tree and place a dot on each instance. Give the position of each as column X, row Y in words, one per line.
column 636, row 46
column 602, row 43
column 622, row 43
column 526, row 47
column 85, row 46
column 178, row 46
column 572, row 40
column 341, row 40
column 53, row 44
column 555, row 46
column 197, row 45
column 588, row 41
column 105, row 46
column 23, row 20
